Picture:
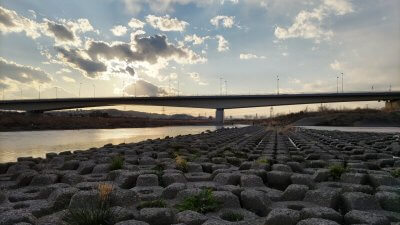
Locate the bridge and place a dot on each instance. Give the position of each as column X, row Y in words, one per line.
column 219, row 103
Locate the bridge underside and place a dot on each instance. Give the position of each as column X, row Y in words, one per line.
column 209, row 102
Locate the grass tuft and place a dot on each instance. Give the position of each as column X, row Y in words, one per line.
column 336, row 171
column 117, row 162
column 396, row 172
column 232, row 217
column 97, row 214
column 203, row 202
column 158, row 203
column 262, row 160
column 181, row 163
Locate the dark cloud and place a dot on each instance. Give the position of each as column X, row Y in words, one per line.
column 60, row 32
column 5, row 18
column 146, row 49
column 144, row 88
column 130, row 70
column 89, row 67
column 21, row 73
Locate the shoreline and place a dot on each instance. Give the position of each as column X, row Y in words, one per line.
column 255, row 174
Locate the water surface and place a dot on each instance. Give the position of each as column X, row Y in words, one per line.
column 38, row 143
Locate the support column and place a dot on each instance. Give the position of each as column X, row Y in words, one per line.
column 219, row 116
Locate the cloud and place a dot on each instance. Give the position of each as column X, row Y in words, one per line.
column 166, row 23
column 223, row 44
column 144, row 88
column 119, row 30
column 196, row 40
column 308, row 24
column 225, row 21
column 247, row 56
column 136, row 24
column 336, row 65
column 63, row 31
column 21, row 73
column 68, row 79
column 76, row 60
column 161, row 6
column 196, row 77
column 101, row 58
column 11, row 22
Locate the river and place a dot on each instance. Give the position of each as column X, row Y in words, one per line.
column 38, row 143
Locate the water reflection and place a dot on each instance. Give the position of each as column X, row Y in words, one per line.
column 38, row 143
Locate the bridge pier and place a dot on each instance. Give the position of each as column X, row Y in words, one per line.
column 392, row 105
column 219, row 116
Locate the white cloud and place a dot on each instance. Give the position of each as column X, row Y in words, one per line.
column 11, row 22
column 68, row 79
column 136, row 24
column 225, row 21
column 166, row 23
column 196, row 77
column 336, row 65
column 162, row 6
column 11, row 71
column 223, row 44
column 308, row 24
column 247, row 56
column 119, row 30
column 144, row 88
column 195, row 39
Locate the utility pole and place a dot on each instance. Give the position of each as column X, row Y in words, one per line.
column 56, row 91
column 342, row 82
column 337, row 84
column 94, row 90
column 220, row 86
column 39, row 91
column 271, row 111
column 372, row 88
column 226, row 87
column 178, row 87
column 123, row 86
column 169, row 85
column 277, row 84
column 390, row 88
column 79, row 93
column 135, row 88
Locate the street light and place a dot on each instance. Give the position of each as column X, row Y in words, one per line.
column 342, row 82
column 337, row 84
column 79, row 94
column 226, row 87
column 277, row 84
column 220, row 85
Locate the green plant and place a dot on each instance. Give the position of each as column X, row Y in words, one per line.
column 117, row 162
column 262, row 160
column 336, row 171
column 159, row 169
column 396, row 172
column 90, row 216
column 158, row 203
column 97, row 213
column 181, row 163
column 232, row 217
column 203, row 202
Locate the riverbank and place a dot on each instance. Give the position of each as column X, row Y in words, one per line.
column 26, row 122
column 248, row 175
column 338, row 118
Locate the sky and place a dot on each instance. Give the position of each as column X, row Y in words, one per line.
column 58, row 48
